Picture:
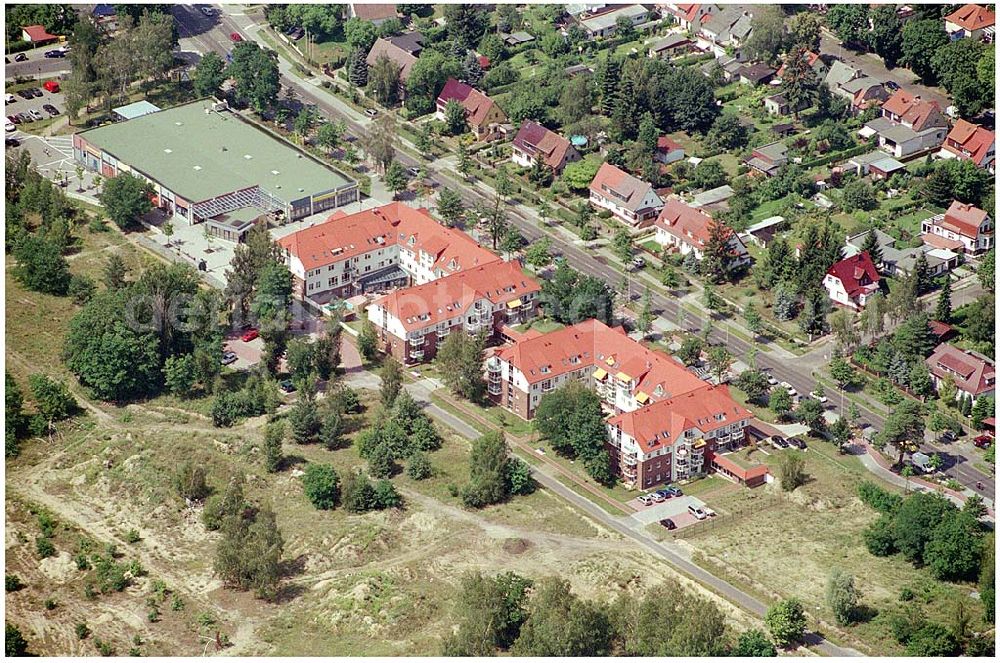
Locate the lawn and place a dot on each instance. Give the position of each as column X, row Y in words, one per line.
column 911, row 222
column 820, row 526
column 540, row 325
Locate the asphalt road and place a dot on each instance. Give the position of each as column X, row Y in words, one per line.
column 37, row 65
column 212, row 34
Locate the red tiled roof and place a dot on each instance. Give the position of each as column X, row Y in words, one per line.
column 664, row 422
column 612, row 181
column 914, row 112
column 972, row 17
column 592, row 344
column 373, row 12
column 973, row 139
column 856, row 273
column 939, row 242
column 971, row 372
column 964, row 219
column 743, row 473
column 343, row 236
column 484, row 62
column 422, row 306
column 476, row 104
column 685, row 222
column 810, row 57
column 667, row 144
column 940, row 329
column 532, row 138
column 38, row 33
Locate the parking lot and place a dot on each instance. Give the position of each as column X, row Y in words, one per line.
column 674, row 508
column 21, row 105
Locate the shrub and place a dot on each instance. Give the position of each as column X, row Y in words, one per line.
column 12, row 583
column 132, row 536
column 50, row 604
column 386, row 495
column 321, row 485
column 418, row 467
column 906, row 594
column 44, row 548
column 82, row 631
column 190, row 482
column 878, row 498
column 879, row 537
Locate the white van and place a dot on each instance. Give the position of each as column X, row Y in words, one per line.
column 697, row 512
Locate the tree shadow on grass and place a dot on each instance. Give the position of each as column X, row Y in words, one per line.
column 862, row 614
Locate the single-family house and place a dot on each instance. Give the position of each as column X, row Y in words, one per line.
column 877, row 164
column 778, row 104
column 815, row 62
column 668, row 150
column 533, row 141
column 628, row 198
column 728, row 27
column 768, row 159
column 908, row 125
column 973, row 374
column 37, row 35
column 964, row 223
column 852, row 85
column 603, row 22
column 575, row 70
column 713, row 199
column 970, row 20
column 851, row 281
column 971, row 142
column 377, row 14
column 901, row 262
column 755, row 74
column 689, row 16
column 484, row 115
column 671, row 46
column 762, row 232
column 517, row 38
column 403, row 50
column 688, row 230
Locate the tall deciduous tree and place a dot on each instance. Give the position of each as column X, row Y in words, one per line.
column 255, row 72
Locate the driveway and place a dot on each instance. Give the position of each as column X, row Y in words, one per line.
column 675, row 508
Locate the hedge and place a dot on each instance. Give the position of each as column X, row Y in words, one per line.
column 838, row 156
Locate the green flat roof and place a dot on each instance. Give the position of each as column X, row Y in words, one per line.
column 200, row 155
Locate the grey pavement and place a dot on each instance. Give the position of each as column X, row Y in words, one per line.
column 37, row 65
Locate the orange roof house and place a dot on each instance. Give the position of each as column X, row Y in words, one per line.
column 971, row 142
column 482, row 113
column 970, row 21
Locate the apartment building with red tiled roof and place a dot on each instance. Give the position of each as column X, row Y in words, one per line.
column 973, row 374
column 963, row 223
column 970, row 142
column 375, row 249
column 414, row 322
column 630, row 199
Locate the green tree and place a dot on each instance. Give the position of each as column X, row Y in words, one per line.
column 767, row 39
column 842, row 596
column 810, row 412
column 396, row 179
column 255, row 73
column 780, row 402
column 799, row 81
column 792, row 471
column 391, row 377
column 321, row 485
column 248, row 557
column 755, row 642
column 954, row 550
column 460, row 362
column 368, row 340
column 360, row 34
column 487, row 471
column 572, row 420
column 490, row 613
column 426, row 79
column 357, row 68
column 209, row 75
column 383, row 81
column 180, row 374
column 579, row 174
column 304, row 418
column 849, row 23
column 274, row 435
column 932, row 640
column 560, row 624
column 40, row 265
column 126, row 198
column 840, row 433
column 885, row 37
column 454, row 118
column 786, row 621
column 450, row 207
column 921, row 39
column 14, row 642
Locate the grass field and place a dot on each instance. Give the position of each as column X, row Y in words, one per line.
column 780, row 544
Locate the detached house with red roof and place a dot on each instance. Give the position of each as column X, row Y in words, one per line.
column 413, row 323
column 37, row 35
column 630, row 199
column 973, row 21
column 485, row 117
column 375, row 249
column 664, row 421
column 533, row 141
column 968, row 226
column 852, row 281
column 689, row 16
column 974, row 374
column 971, row 142
column 687, row 229
column 908, row 125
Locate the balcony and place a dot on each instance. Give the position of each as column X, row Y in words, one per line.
column 494, row 388
column 416, row 354
column 630, row 459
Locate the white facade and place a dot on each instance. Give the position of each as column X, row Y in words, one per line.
column 650, row 201
column 981, row 242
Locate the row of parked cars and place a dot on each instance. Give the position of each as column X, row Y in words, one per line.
column 660, row 495
column 698, row 512
column 778, row 442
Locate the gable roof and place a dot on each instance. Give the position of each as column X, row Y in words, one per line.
column 476, row 104
column 402, row 58
column 972, row 372
column 840, row 73
column 667, row 144
column 664, row 422
column 672, row 40
column 915, row 112
column 972, row 138
column 963, row 218
column 532, row 138
column 421, row 306
column 755, row 72
column 343, row 236
column 614, row 182
column 685, row 222
column 373, row 12
column 38, row 33
column 811, row 59
column 856, row 273
column 972, row 17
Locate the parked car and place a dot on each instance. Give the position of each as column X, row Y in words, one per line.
column 797, row 442
column 664, row 493
column 25, row 117
column 50, row 109
column 371, row 112
column 14, row 119
column 891, row 85
column 657, row 497
column 777, row 442
column 228, row 357
column 235, row 36
column 286, row 386
column 51, row 86
column 638, row 262
column 983, row 441
column 413, row 171
column 35, row 115
column 697, row 512
column 645, row 500
column 9, row 127
column 25, row 94
column 35, row 92
column 789, row 388
column 55, row 53
column 711, row 513
column 820, row 397
column 249, row 335
column 207, row 11
column 9, row 98
column 21, row 57
column 771, row 381
column 675, row 491
column 11, row 142
column 669, row 524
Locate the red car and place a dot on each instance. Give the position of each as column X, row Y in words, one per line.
column 983, row 441
column 249, row 335
column 235, row 36
column 51, row 86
